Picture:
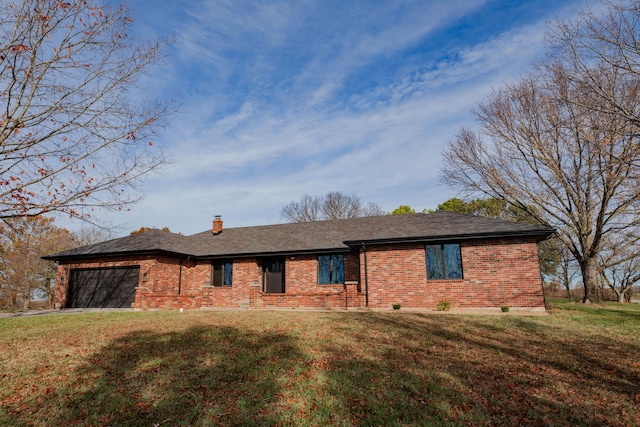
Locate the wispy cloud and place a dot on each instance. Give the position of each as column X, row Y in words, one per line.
column 284, row 98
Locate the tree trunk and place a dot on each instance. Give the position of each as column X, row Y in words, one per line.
column 590, row 281
column 565, row 279
column 25, row 305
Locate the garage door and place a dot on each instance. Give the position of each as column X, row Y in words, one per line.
column 103, row 287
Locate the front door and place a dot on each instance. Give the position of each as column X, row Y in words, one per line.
column 273, row 275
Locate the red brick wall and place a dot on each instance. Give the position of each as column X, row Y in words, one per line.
column 245, row 273
column 497, row 273
column 303, row 291
column 170, row 283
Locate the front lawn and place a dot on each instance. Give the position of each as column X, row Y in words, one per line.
column 578, row 366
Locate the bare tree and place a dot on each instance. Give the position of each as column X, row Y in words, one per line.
column 333, row 205
column 93, row 234
column 621, row 278
column 337, row 205
column 619, row 269
column 306, row 210
column 566, row 269
column 595, row 40
column 72, row 135
column 542, row 148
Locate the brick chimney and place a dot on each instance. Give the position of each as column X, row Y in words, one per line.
column 217, row 224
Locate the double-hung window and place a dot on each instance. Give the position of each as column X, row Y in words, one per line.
column 330, row 269
column 444, row 261
column 222, row 273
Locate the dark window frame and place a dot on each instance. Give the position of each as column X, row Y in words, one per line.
column 222, row 274
column 446, row 265
column 335, row 275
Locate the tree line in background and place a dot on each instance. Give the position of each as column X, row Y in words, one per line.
column 333, row 205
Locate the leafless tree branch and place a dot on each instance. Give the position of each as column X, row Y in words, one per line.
column 72, row 137
column 333, row 205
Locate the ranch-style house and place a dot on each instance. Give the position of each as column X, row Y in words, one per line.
column 415, row 260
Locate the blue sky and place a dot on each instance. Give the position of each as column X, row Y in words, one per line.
column 284, row 98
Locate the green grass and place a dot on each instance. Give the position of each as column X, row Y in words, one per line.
column 577, row 366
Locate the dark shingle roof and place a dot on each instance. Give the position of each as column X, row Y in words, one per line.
column 333, row 235
column 149, row 241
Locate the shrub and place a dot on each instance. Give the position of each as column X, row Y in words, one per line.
column 505, row 308
column 444, row 305
column 396, row 306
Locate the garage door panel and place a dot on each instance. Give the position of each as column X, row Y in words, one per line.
column 103, row 287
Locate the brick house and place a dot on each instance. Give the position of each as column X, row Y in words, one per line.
column 415, row 260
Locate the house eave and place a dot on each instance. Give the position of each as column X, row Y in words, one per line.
column 267, row 254
column 539, row 235
column 120, row 254
column 262, row 254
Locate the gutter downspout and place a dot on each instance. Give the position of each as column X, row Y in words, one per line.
column 366, row 277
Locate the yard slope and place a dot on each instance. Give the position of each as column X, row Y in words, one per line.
column 577, row 366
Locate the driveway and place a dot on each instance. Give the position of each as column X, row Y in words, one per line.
column 65, row 311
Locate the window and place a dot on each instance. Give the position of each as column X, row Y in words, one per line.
column 330, row 269
column 444, row 261
column 221, row 274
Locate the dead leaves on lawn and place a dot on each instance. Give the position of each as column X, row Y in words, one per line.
column 305, row 368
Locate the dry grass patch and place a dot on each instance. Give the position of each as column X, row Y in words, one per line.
column 577, row 366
